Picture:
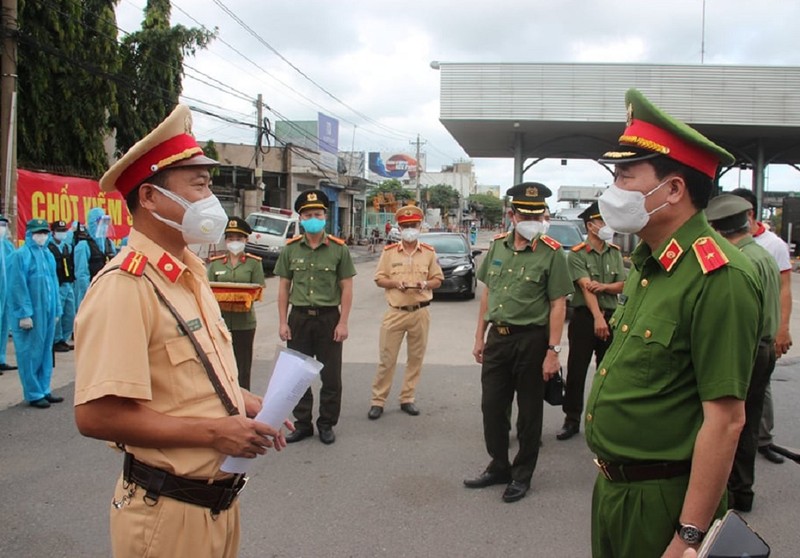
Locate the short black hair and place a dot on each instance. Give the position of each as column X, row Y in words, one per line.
column 700, row 185
column 746, row 194
column 132, row 199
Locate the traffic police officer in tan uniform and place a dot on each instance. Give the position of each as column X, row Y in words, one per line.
column 237, row 266
column 667, row 401
column 727, row 213
column 409, row 272
column 141, row 382
column 316, row 278
column 597, row 271
column 524, row 302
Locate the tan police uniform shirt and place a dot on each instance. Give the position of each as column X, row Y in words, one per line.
column 421, row 265
column 130, row 346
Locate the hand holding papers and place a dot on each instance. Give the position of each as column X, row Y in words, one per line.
column 292, row 375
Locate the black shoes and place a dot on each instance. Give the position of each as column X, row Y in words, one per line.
column 515, row 491
column 61, row 347
column 409, row 408
column 375, row 412
column 53, row 398
column 770, row 454
column 5, row 367
column 40, row 403
column 568, row 431
column 326, row 435
column 299, row 434
column 487, row 479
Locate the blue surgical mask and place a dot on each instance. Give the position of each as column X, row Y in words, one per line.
column 313, row 225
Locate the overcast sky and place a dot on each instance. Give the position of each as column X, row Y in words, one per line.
column 372, row 58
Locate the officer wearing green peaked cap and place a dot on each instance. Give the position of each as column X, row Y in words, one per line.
column 684, row 340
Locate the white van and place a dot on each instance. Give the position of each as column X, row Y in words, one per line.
column 271, row 227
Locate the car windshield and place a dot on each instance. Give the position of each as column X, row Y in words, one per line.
column 267, row 225
column 446, row 244
column 565, row 233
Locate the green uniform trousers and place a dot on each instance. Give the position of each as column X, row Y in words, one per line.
column 637, row 519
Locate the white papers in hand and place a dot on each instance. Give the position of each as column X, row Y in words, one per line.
column 292, row 375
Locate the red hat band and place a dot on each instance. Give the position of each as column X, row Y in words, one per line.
column 177, row 148
column 647, row 136
column 413, row 218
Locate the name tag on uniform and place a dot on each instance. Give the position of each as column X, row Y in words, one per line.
column 194, row 325
column 622, row 299
column 399, row 264
column 497, row 262
column 223, row 272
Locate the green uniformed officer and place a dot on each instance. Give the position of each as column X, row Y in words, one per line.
column 527, row 280
column 728, row 215
column 236, row 266
column 316, row 278
column 598, row 273
column 667, row 402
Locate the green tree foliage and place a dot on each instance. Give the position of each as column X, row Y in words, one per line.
column 442, row 196
column 67, row 59
column 488, row 207
column 152, row 64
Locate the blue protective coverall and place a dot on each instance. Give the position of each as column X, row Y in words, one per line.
column 83, row 253
column 66, row 295
column 33, row 293
column 6, row 249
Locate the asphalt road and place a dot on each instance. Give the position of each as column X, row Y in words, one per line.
column 390, row 487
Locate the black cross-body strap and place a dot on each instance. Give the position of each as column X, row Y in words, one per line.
column 201, row 354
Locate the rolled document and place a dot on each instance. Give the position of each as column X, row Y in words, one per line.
column 292, row 375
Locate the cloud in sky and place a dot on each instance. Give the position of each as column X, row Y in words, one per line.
column 375, row 57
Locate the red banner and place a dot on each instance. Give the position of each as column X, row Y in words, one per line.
column 65, row 198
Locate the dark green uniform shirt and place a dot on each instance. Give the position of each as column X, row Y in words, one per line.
column 770, row 275
column 523, row 282
column 243, row 269
column 315, row 273
column 681, row 337
column 604, row 266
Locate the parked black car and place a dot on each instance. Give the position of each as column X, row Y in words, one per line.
column 457, row 260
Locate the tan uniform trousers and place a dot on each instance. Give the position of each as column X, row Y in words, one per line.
column 396, row 325
column 171, row 529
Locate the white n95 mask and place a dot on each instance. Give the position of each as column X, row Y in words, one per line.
column 203, row 222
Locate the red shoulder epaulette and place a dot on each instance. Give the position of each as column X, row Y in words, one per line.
column 294, row 239
column 337, row 240
column 215, row 258
column 709, row 255
column 249, row 255
column 134, row 263
column 551, row 242
column 499, row 236
column 428, row 246
column 578, row 247
column 390, row 246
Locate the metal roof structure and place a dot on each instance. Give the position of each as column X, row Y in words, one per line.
column 577, row 111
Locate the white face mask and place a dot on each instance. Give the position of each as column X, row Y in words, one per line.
column 40, row 238
column 605, row 233
column 529, row 229
column 409, row 234
column 235, row 247
column 624, row 211
column 203, row 222
column 59, row 235
column 545, row 226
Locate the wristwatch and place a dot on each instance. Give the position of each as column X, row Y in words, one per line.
column 690, row 534
column 555, row 348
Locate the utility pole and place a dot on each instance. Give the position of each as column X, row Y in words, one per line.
column 259, row 132
column 419, row 166
column 8, row 113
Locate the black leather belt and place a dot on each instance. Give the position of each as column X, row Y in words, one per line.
column 635, row 472
column 217, row 496
column 512, row 329
column 413, row 307
column 314, row 310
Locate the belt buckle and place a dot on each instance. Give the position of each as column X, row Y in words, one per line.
column 313, row 312
column 503, row 330
column 241, row 482
column 603, row 466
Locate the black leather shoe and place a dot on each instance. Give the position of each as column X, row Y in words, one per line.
column 568, row 431
column 5, row 367
column 40, row 403
column 299, row 434
column 61, row 347
column 53, row 398
column 771, row 455
column 375, row 412
column 487, row 479
column 409, row 408
column 515, row 491
column 326, row 435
